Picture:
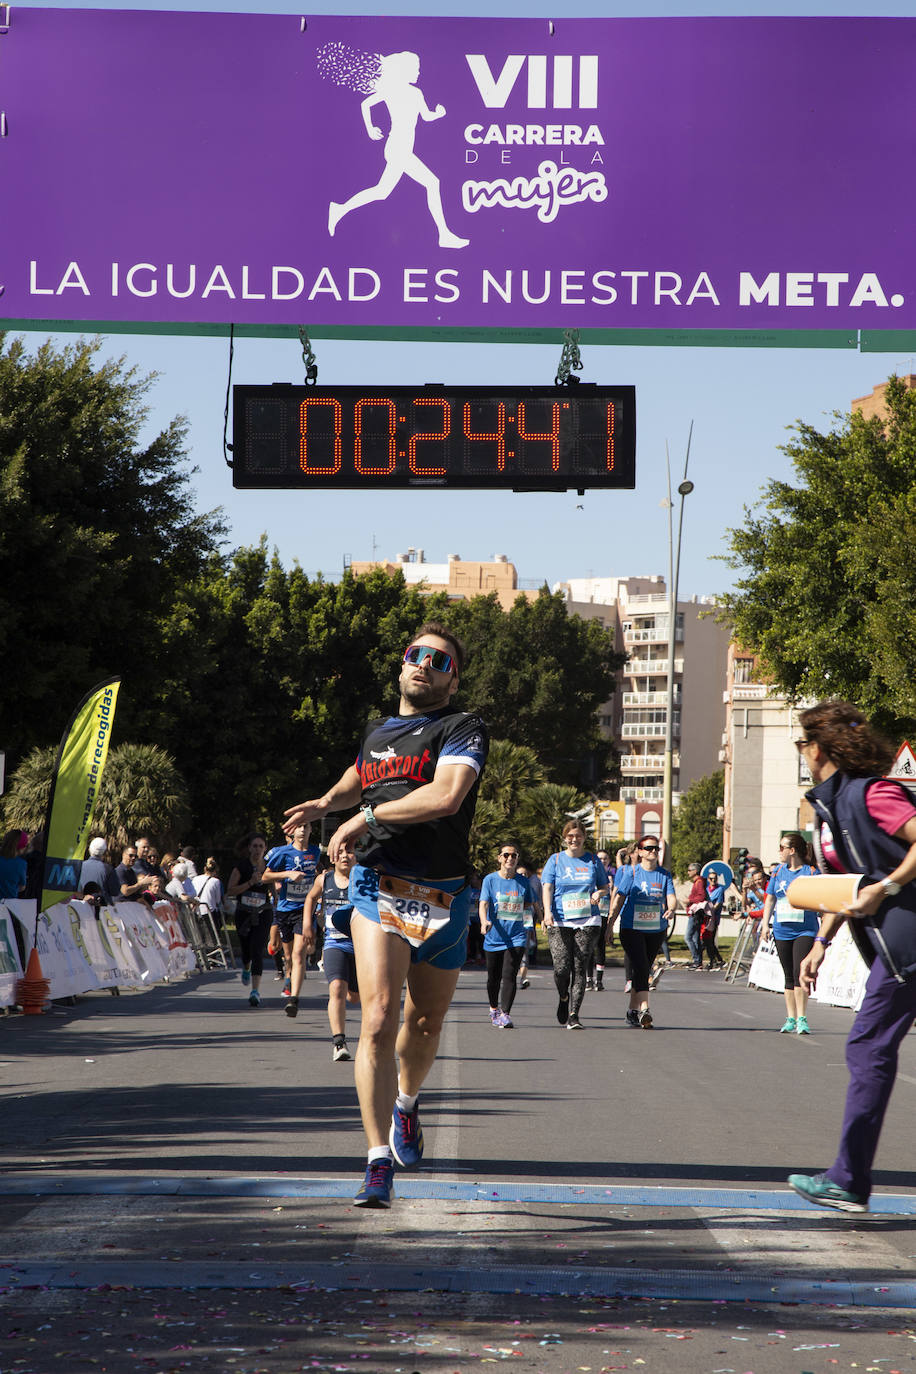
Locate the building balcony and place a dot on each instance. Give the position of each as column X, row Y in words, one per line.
column 655, row 730
column 646, row 763
column 637, row 794
column 651, row 667
column 653, row 635
column 651, row 698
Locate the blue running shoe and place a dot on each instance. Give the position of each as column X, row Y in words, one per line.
column 254, row 998
column 406, row 1137
column 820, row 1190
column 378, row 1185
column 246, row 977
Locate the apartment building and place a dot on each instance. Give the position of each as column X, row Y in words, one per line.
column 765, row 776
column 458, row 579
column 637, row 610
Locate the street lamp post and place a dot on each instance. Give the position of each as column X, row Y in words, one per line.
column 674, row 571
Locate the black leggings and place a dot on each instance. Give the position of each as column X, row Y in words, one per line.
column 502, row 971
column 570, row 949
column 791, row 953
column 596, row 958
column 253, row 942
column 641, row 948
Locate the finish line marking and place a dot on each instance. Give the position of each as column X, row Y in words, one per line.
column 699, row 1285
column 417, row 1188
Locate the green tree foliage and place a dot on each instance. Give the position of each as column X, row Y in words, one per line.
column 512, row 771
column 141, row 792
column 544, row 811
column 255, row 679
column 828, row 574
column 538, row 675
column 97, row 533
column 286, row 671
column 696, row 832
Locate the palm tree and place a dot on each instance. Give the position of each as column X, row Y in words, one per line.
column 543, row 813
column 141, row 791
column 511, row 771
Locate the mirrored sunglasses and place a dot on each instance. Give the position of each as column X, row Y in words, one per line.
column 418, row 654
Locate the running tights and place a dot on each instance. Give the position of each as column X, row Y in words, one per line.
column 570, row 949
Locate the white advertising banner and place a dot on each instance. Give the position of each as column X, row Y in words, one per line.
column 766, row 970
column 10, row 966
column 840, row 980
column 843, row 974
column 125, row 945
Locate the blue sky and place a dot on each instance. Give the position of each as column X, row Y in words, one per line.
column 741, row 402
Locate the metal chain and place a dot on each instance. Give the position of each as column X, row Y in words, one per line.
column 570, row 359
column 308, row 357
column 227, row 447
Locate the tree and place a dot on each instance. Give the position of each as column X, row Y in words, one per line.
column 538, row 675
column 828, row 570
column 696, row 832
column 141, row 792
column 543, row 813
column 512, row 771
column 97, row 533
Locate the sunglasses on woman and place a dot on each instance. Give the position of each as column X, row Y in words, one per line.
column 419, row 654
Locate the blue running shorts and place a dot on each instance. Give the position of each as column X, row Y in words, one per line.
column 446, row 948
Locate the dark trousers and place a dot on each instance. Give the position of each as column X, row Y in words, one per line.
column 641, row 948
column 254, row 942
column 884, row 1018
column 502, row 971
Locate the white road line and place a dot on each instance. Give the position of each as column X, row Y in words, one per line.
column 795, row 1243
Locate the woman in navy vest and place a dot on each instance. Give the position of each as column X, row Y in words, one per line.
column 865, row 824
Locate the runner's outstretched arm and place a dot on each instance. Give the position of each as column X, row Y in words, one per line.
column 345, row 792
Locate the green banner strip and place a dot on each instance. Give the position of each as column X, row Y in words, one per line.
column 888, row 341
column 621, row 338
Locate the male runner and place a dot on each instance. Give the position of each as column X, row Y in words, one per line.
column 293, row 867
column 416, row 779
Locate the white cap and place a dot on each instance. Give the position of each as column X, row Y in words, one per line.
column 97, row 847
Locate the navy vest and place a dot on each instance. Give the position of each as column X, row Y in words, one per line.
column 861, row 847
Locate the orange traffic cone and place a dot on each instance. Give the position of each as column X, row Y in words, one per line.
column 32, row 990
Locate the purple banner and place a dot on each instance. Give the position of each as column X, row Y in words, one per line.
column 201, row 169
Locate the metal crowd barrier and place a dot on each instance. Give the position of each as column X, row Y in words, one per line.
column 206, row 933
column 744, row 949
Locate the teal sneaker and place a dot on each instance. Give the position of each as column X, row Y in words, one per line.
column 246, row 977
column 254, row 998
column 819, row 1189
column 787, row 1026
column 801, row 1026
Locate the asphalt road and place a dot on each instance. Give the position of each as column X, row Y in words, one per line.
column 179, row 1169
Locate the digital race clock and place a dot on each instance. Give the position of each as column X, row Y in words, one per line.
column 528, row 438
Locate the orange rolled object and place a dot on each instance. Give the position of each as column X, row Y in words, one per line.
column 825, row 891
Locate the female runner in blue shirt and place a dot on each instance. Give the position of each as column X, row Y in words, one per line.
column 793, row 930
column 504, row 898
column 644, row 895
column 573, row 881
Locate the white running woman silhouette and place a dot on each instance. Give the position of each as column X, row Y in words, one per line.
column 390, row 80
